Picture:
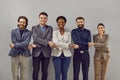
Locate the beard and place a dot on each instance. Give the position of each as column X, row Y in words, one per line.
column 21, row 26
column 80, row 26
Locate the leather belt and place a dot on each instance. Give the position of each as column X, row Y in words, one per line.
column 83, row 51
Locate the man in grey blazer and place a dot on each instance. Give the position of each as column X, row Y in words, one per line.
column 20, row 38
column 42, row 35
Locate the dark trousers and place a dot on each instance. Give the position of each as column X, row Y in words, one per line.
column 44, row 66
column 61, row 65
column 78, row 59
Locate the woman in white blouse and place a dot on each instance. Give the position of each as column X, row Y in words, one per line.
column 61, row 50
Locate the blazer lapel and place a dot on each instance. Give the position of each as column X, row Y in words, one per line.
column 24, row 33
column 100, row 39
column 39, row 31
column 45, row 31
column 18, row 34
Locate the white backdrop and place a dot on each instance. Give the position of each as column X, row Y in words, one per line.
column 94, row 11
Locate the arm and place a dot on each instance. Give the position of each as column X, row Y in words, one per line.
column 24, row 43
column 13, row 37
column 86, row 43
column 76, row 42
column 75, row 38
column 39, row 41
column 100, row 44
column 82, row 42
column 62, row 45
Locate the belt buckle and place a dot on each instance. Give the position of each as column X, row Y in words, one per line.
column 82, row 52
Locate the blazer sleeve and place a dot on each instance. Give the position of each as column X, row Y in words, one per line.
column 39, row 41
column 102, row 44
column 62, row 45
column 13, row 37
column 22, row 44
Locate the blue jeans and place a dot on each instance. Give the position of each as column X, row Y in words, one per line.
column 61, row 65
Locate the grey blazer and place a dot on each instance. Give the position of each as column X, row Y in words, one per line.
column 41, row 40
column 101, row 48
column 20, row 43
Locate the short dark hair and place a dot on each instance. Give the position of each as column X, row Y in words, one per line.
column 43, row 13
column 80, row 18
column 23, row 17
column 61, row 17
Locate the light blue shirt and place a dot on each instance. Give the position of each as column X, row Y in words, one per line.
column 43, row 29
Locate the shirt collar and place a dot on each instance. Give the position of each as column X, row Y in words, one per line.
column 21, row 30
column 98, row 35
column 81, row 29
column 43, row 26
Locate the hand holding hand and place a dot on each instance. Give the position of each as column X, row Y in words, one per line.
column 32, row 46
column 51, row 44
column 71, row 45
column 11, row 45
column 91, row 44
column 75, row 46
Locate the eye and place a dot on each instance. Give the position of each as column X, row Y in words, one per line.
column 22, row 22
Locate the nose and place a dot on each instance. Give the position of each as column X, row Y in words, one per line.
column 21, row 23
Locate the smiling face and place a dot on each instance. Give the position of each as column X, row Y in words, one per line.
column 61, row 23
column 43, row 20
column 80, row 23
column 22, row 24
column 101, row 29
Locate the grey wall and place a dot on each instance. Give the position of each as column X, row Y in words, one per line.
column 94, row 11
